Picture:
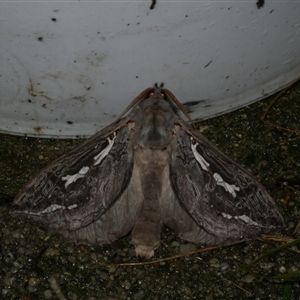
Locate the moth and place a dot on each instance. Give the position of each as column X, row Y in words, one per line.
column 146, row 169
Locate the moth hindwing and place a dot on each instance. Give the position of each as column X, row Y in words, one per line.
column 147, row 169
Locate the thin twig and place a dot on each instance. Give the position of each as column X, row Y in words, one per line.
column 297, row 227
column 264, row 238
column 142, row 263
column 236, row 285
column 272, row 104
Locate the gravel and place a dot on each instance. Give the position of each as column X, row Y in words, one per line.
column 35, row 265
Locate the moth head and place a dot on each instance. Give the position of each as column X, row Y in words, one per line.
column 157, row 92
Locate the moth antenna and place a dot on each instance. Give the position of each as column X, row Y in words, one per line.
column 156, row 85
column 133, row 103
column 180, row 106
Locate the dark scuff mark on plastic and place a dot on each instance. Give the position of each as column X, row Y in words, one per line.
column 153, row 4
column 207, row 64
column 260, row 3
column 37, row 129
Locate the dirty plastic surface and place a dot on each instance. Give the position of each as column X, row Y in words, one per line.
column 68, row 68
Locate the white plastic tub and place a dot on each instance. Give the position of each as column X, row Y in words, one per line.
column 68, row 68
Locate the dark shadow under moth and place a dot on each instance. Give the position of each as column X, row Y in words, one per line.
column 147, row 169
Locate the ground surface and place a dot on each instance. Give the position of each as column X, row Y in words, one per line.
column 37, row 266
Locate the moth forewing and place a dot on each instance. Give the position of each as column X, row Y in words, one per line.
column 76, row 189
column 239, row 206
column 144, row 170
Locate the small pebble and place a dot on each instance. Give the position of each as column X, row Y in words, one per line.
column 48, row 294
column 112, row 269
column 214, row 262
column 175, row 244
column 31, row 289
column 282, row 269
column 72, row 296
column 187, row 248
column 224, row 266
column 293, row 269
column 72, row 259
column 126, row 284
column 17, row 234
column 50, row 252
column 8, row 281
column 5, row 292
column 248, row 278
column 33, row 281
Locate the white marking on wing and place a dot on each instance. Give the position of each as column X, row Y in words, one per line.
column 244, row 218
column 51, row 209
column 203, row 163
column 72, row 178
column 231, row 188
column 105, row 151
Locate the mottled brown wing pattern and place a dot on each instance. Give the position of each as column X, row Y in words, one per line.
column 220, row 196
column 79, row 187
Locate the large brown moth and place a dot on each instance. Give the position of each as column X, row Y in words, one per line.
column 147, row 169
